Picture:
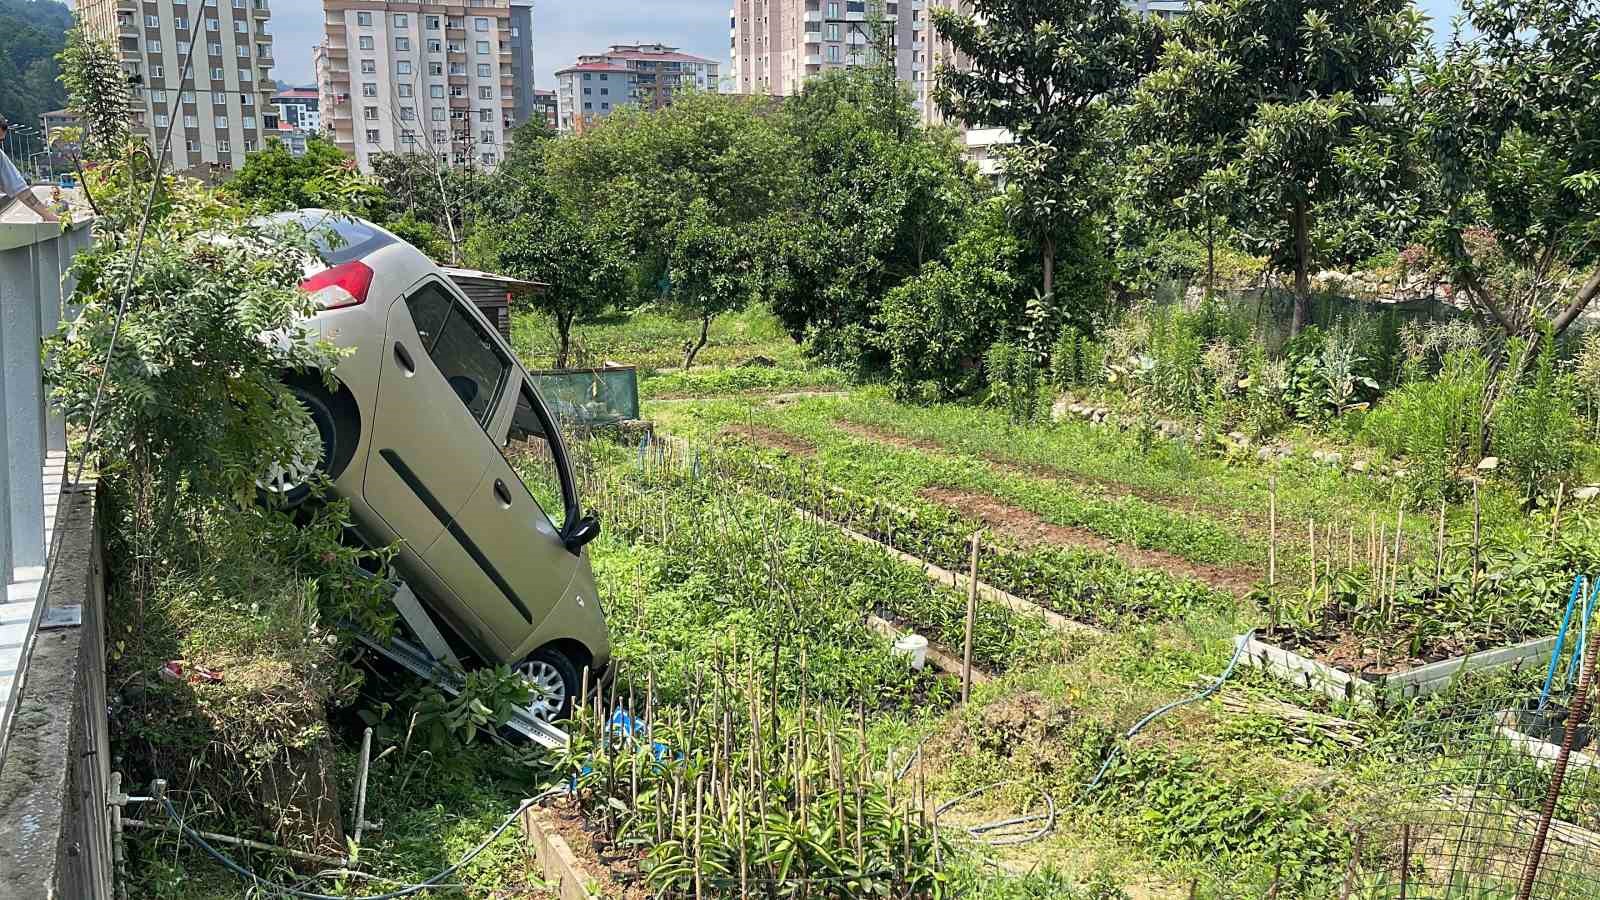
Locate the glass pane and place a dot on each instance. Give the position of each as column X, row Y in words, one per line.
column 429, row 308
column 529, row 451
column 466, row 357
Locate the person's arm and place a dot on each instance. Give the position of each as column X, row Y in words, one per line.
column 32, row 201
column 13, row 184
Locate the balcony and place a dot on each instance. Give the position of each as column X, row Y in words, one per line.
column 455, row 34
column 460, row 103
column 458, row 80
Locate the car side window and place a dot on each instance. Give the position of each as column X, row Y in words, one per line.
column 473, row 366
column 533, row 457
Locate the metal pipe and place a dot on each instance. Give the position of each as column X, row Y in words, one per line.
column 361, row 788
column 158, row 792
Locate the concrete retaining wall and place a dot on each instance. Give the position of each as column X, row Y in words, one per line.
column 55, row 838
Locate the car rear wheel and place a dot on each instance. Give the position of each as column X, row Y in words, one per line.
column 288, row 484
column 555, row 684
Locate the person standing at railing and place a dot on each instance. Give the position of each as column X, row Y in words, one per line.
column 12, row 184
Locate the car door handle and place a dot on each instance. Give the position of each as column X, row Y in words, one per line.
column 502, row 493
column 403, row 357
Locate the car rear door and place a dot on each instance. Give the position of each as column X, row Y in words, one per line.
column 516, row 518
column 429, row 450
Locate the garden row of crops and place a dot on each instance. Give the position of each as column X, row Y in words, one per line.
column 1466, row 589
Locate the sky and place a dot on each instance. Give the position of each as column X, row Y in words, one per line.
column 563, row 29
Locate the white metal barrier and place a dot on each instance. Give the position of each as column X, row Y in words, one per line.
column 35, row 282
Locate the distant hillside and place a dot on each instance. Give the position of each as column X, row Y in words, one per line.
column 32, row 32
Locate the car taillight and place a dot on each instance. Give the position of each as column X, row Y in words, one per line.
column 341, row 286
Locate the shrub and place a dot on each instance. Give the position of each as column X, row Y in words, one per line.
column 937, row 324
column 1076, row 360
column 1586, row 377
column 1534, row 430
column 1437, row 424
column 1014, row 382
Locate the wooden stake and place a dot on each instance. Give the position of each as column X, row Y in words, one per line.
column 1555, row 517
column 972, row 612
column 1438, row 554
column 1272, row 531
column 1477, row 536
column 1311, row 528
column 699, row 823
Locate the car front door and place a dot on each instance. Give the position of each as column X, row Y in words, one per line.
column 516, row 519
column 437, row 391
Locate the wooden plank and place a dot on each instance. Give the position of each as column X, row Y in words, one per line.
column 555, row 857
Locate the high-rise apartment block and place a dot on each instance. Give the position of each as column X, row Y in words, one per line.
column 643, row 75
column 218, row 106
column 777, row 44
column 521, row 39
column 408, row 77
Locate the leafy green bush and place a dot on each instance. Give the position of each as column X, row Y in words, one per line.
column 1534, row 431
column 938, row 324
column 1014, row 382
column 1076, row 361
column 1436, row 424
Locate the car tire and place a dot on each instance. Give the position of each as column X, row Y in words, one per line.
column 320, row 406
column 556, row 684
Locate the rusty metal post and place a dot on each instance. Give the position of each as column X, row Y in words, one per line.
column 1576, row 715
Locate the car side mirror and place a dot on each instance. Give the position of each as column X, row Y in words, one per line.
column 580, row 534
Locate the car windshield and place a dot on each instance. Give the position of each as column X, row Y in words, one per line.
column 339, row 238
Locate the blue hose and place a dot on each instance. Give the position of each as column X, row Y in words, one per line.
column 1233, row 663
column 1561, row 639
column 1583, row 634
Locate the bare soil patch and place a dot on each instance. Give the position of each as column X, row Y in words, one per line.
column 1369, row 655
column 614, row 868
column 772, row 437
column 1028, row 529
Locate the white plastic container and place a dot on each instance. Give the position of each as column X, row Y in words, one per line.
column 915, row 647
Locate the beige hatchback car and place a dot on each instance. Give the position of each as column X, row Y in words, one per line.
column 431, row 408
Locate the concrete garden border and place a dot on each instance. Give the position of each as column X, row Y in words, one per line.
column 559, row 864
column 1338, row 684
column 1508, row 726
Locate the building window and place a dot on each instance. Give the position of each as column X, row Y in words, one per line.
column 153, row 46
column 485, row 93
column 186, row 97
column 152, row 21
column 183, row 49
column 436, row 91
column 402, row 67
column 480, row 24
column 240, row 26
column 833, row 31
column 483, row 48
column 440, row 135
column 404, row 89
column 407, row 136
column 244, row 74
column 402, row 44
column 485, row 115
column 401, row 20
column 249, row 146
column 488, row 159
column 605, row 91
column 833, row 53
column 216, row 73
column 214, row 48
column 192, row 146
column 370, row 113
column 372, row 136
column 483, row 70
column 220, row 121
column 365, row 42
column 435, row 68
column 369, row 67
column 247, row 100
column 190, row 120
column 833, row 9
column 213, row 25
column 369, row 89
column 408, row 113
column 161, row 120
column 435, row 45
column 157, row 72
column 436, row 114
column 486, row 136
column 432, row 22
column 244, row 51
column 588, row 90
column 364, row 19
column 224, row 146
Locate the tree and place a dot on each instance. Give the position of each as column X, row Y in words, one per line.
column 1265, row 95
column 546, row 241
column 275, row 180
column 668, row 182
column 97, row 89
column 31, row 34
column 1047, row 70
column 879, row 198
column 1511, row 118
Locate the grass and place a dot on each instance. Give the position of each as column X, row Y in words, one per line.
column 653, row 339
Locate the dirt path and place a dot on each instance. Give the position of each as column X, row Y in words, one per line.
column 1029, row 529
column 772, row 437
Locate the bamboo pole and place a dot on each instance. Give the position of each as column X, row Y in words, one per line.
column 972, row 613
column 1272, row 532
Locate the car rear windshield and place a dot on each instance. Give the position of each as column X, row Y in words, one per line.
column 339, row 239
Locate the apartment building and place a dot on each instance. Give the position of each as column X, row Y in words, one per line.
column 219, row 105
column 644, row 75
column 521, row 40
column 408, row 77
column 777, row 44
column 546, row 108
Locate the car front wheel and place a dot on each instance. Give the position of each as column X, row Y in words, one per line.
column 555, row 683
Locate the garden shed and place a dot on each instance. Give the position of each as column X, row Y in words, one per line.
column 493, row 293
